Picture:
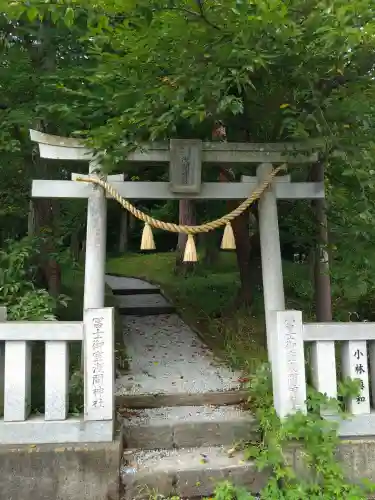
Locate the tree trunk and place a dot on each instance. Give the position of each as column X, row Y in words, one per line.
column 241, row 231
column 31, row 222
column 45, row 213
column 124, row 232
column 211, row 243
column 132, row 222
column 243, row 249
column 322, row 281
column 187, row 217
column 43, row 57
column 75, row 245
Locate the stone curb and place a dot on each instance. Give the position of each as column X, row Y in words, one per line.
column 199, row 430
column 183, row 474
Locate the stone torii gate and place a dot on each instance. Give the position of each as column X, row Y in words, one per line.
column 185, row 159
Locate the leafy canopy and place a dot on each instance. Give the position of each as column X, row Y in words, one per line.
column 271, row 70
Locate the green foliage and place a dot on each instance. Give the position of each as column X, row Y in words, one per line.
column 76, row 393
column 17, row 283
column 118, row 73
column 316, row 474
column 270, row 70
column 236, row 334
column 124, row 72
column 313, row 438
column 228, row 491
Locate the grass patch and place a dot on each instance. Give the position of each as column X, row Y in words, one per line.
column 205, row 300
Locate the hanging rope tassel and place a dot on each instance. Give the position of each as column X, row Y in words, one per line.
column 147, row 242
column 190, row 254
column 228, row 241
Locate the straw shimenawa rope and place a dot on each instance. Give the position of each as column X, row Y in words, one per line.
column 179, row 228
column 190, row 255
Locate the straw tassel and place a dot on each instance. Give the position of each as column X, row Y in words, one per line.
column 147, row 242
column 228, row 242
column 190, row 254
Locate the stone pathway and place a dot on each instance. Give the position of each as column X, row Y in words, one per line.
column 137, row 297
column 167, row 358
column 130, row 286
column 177, row 424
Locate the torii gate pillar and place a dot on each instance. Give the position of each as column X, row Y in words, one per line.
column 272, row 271
column 96, row 239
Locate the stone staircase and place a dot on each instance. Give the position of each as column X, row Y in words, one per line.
column 180, row 409
column 185, row 451
column 137, row 297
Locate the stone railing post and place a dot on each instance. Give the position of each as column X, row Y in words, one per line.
column 99, row 374
column 288, row 369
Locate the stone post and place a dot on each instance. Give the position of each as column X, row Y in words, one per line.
column 99, row 364
column 96, row 236
column 273, row 287
column 288, row 368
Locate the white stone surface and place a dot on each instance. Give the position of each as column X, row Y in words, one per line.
column 110, row 178
column 300, row 191
column 160, row 190
column 324, row 368
column 96, row 237
column 166, row 357
column 56, row 380
column 178, row 414
column 277, row 180
column 288, row 369
column 355, row 366
column 286, row 190
column 60, row 189
column 42, row 330
column 338, row 331
column 17, row 387
column 121, row 283
column 205, row 458
column 185, row 165
column 355, row 425
column 272, row 271
column 57, row 147
column 64, row 153
column 37, row 431
column 99, row 364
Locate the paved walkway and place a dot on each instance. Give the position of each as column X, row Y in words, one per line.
column 166, row 357
column 130, row 285
column 177, row 404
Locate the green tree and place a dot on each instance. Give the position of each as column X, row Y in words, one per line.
column 275, row 70
column 269, row 71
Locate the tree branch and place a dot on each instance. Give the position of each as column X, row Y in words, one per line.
column 204, row 16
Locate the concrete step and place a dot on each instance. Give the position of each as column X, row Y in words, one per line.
column 136, row 291
column 187, row 473
column 143, row 304
column 141, row 401
column 130, row 286
column 187, row 427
